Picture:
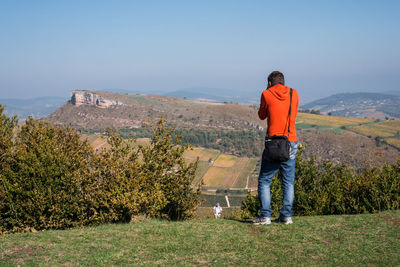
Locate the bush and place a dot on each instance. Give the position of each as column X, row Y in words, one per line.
column 164, row 170
column 46, row 182
column 326, row 189
column 51, row 178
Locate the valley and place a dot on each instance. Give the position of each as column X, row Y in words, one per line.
column 227, row 138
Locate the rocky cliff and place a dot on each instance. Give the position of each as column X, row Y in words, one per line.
column 82, row 97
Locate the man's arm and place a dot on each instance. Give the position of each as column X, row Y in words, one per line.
column 262, row 111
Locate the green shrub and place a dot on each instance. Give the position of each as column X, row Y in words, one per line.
column 324, row 189
column 164, row 169
column 46, row 183
column 51, row 178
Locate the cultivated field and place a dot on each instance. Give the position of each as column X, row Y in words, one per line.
column 384, row 129
column 202, row 168
column 230, row 172
column 225, row 161
column 329, row 121
column 389, row 130
column 202, row 153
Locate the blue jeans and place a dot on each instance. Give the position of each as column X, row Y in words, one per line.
column 267, row 172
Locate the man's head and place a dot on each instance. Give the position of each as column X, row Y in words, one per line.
column 276, row 77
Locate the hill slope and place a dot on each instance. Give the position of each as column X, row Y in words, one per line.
column 352, row 240
column 134, row 110
column 372, row 105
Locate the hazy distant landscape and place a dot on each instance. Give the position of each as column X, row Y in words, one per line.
column 362, row 105
column 35, row 107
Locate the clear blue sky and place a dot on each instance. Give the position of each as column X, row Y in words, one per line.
column 48, row 48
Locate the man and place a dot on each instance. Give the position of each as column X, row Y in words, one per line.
column 217, row 211
column 274, row 106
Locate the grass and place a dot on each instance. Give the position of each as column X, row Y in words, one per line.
column 245, row 172
column 384, row 129
column 203, row 154
column 144, row 100
column 330, row 121
column 388, row 130
column 202, row 103
column 373, row 130
column 356, row 240
column 225, row 160
column 393, row 141
column 219, row 177
column 202, row 168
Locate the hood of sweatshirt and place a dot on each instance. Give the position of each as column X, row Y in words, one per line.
column 281, row 92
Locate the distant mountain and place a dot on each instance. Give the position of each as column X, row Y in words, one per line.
column 392, row 92
column 372, row 105
column 35, row 107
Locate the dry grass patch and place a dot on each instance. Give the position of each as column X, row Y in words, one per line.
column 219, row 177
column 202, row 168
column 373, row 130
column 203, row 154
column 330, row 121
column 225, row 160
column 393, row 141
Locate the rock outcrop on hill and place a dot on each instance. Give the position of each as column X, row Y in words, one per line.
column 101, row 110
column 82, row 97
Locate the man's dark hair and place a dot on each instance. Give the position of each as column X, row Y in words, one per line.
column 276, row 77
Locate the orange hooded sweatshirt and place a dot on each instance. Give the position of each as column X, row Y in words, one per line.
column 275, row 106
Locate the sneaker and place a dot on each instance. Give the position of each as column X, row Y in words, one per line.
column 262, row 221
column 287, row 220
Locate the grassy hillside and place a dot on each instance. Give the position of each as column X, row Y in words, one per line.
column 356, row 141
column 356, row 240
column 138, row 109
column 388, row 131
column 374, row 105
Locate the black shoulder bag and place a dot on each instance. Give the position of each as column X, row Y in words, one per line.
column 277, row 147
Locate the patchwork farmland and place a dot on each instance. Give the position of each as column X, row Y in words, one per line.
column 215, row 169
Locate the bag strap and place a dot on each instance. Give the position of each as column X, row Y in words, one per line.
column 290, row 109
